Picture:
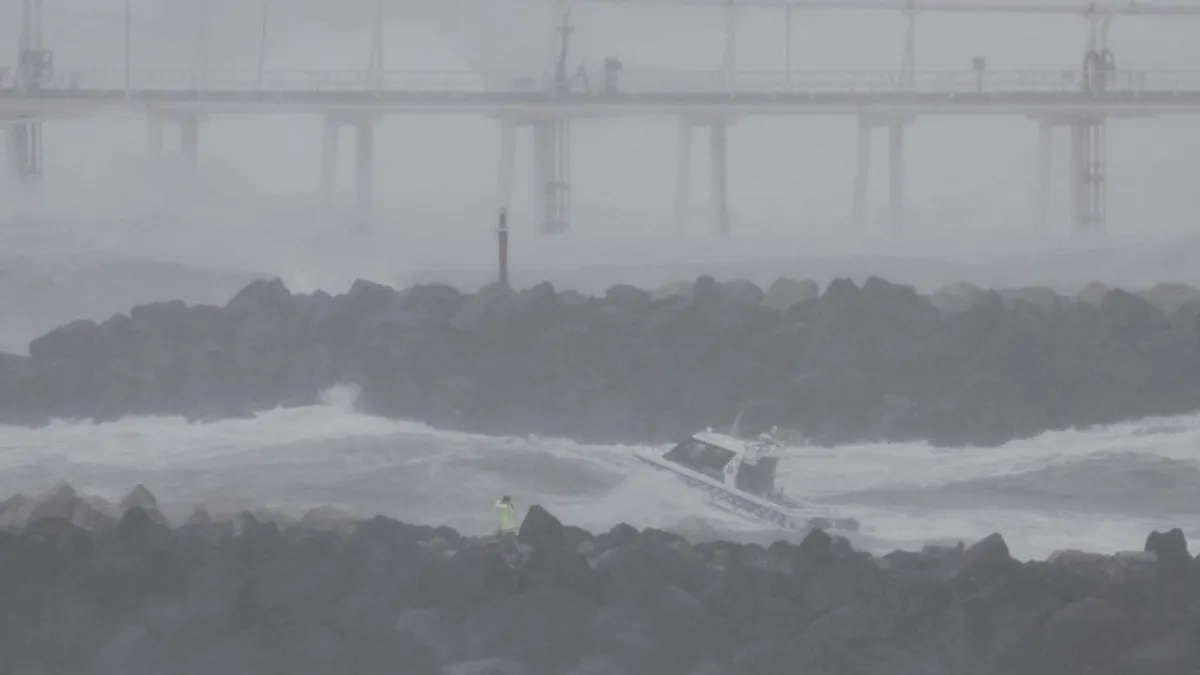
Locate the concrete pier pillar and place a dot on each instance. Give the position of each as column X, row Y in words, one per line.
column 1088, row 168
column 508, row 161
column 1076, row 168
column 861, row 172
column 541, row 173
column 364, row 166
column 561, row 194
column 25, row 149
column 189, row 142
column 11, row 148
column 329, row 157
column 720, row 177
column 896, row 176
column 154, row 138
column 1097, row 177
column 551, row 172
column 683, row 176
column 1045, row 155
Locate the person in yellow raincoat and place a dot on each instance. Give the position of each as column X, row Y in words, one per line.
column 508, row 518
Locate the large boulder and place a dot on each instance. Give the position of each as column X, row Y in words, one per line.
column 784, row 293
column 1170, row 548
column 545, row 627
column 956, row 298
column 1170, row 298
column 141, row 497
column 540, row 529
column 1084, row 636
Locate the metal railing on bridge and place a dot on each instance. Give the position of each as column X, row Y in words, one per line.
column 65, row 82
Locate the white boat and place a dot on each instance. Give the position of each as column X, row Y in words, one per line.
column 739, row 476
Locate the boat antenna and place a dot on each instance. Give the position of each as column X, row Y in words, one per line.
column 736, row 427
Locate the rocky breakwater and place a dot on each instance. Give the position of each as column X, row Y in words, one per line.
column 963, row 366
column 85, row 593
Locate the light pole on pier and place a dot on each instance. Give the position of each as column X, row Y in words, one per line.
column 262, row 43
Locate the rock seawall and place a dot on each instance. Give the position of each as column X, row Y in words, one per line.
column 963, row 366
column 87, row 594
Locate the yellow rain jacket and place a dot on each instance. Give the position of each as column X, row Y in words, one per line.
column 508, row 517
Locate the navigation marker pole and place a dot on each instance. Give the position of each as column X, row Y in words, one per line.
column 502, row 236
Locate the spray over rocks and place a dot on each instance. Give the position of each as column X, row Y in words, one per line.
column 114, row 589
column 877, row 362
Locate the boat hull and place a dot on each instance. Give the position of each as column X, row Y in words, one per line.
column 747, row 505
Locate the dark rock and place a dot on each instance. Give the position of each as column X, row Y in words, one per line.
column 573, row 537
column 618, row 536
column 816, row 549
column 15, row 512
column 1173, row 653
column 986, row 561
column 785, row 293
column 200, row 516
column 1084, row 635
column 963, row 367
column 628, row 297
column 1170, row 548
column 544, row 626
column 141, row 498
column 559, row 568
column 666, row 630
column 386, row 598
column 63, row 503
column 539, row 529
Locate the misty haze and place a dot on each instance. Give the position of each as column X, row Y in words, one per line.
column 599, row 337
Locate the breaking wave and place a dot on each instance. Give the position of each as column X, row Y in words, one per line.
column 1099, row 489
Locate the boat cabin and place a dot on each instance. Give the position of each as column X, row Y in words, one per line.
column 736, row 462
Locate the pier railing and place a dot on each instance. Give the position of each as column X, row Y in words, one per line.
column 64, row 82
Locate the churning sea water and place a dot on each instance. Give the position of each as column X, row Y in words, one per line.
column 1101, row 489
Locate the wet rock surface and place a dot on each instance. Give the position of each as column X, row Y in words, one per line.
column 870, row 362
column 130, row 595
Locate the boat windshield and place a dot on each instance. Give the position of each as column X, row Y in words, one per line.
column 700, row 456
column 758, row 478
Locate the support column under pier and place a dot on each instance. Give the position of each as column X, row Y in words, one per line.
column 683, row 176
column 896, row 176
column 1088, row 168
column 329, row 155
column 364, row 161
column 189, row 139
column 720, row 177
column 861, row 172
column 1045, row 155
column 25, row 149
column 508, row 161
column 551, row 175
column 560, row 195
column 189, row 143
column 541, row 148
column 364, row 167
column 154, row 141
